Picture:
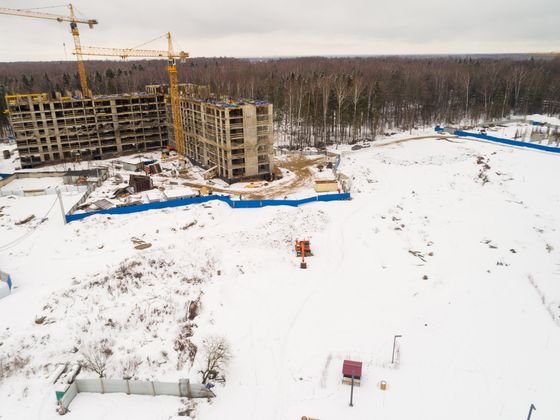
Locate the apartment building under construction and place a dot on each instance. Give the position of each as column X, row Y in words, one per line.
column 62, row 129
column 233, row 139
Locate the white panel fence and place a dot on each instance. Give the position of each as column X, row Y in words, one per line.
column 183, row 388
column 42, row 191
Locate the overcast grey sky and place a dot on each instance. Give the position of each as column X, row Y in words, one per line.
column 291, row 27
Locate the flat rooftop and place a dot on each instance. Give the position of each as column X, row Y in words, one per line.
column 228, row 102
column 43, row 97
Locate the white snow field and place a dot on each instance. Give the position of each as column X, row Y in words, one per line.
column 453, row 244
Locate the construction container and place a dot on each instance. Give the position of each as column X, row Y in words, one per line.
column 326, row 185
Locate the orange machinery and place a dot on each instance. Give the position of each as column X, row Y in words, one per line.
column 303, row 249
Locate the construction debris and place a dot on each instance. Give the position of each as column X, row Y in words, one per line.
column 26, row 220
column 189, row 225
column 140, row 243
column 154, row 168
column 103, row 204
column 210, row 173
column 140, row 182
column 417, row 254
column 123, row 192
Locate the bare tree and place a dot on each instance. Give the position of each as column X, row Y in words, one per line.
column 341, row 88
column 216, row 353
column 519, row 74
column 316, row 98
column 358, row 87
column 325, row 82
column 96, row 355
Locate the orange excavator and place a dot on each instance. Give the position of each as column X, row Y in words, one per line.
column 303, row 249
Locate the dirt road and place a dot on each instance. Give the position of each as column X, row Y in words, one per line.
column 299, row 165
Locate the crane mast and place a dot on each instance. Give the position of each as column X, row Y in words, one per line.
column 74, row 21
column 175, row 102
column 79, row 57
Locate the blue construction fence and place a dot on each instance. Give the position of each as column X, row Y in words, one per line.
column 504, row 141
column 5, row 277
column 236, row 204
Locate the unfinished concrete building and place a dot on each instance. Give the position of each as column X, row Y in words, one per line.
column 69, row 129
column 234, row 139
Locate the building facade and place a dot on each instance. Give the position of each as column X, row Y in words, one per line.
column 66, row 129
column 235, row 139
column 232, row 138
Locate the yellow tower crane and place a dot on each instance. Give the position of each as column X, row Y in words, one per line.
column 73, row 29
column 171, row 69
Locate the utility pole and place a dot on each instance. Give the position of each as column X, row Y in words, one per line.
column 61, row 204
column 352, row 391
column 394, row 344
column 531, row 409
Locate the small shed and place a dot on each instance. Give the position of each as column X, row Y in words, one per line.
column 154, row 196
column 132, row 164
column 179, row 193
column 349, row 368
column 326, row 185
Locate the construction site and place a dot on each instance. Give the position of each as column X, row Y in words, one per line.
column 170, row 253
column 230, row 138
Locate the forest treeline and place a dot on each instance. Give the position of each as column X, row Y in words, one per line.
column 323, row 100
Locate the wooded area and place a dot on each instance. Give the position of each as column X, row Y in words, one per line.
column 324, row 100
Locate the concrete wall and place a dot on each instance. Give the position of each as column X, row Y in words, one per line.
column 5, row 191
column 250, row 137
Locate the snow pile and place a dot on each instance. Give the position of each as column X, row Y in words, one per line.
column 140, row 316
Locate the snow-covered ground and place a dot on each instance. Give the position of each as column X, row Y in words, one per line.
column 452, row 244
column 23, row 184
column 8, row 166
